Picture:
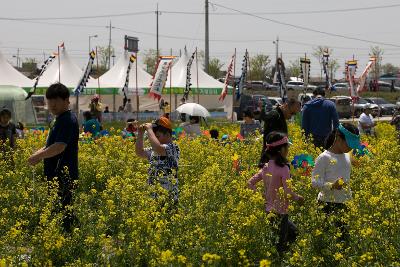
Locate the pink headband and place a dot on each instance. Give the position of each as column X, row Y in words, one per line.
column 284, row 140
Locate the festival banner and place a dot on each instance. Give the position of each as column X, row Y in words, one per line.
column 325, row 64
column 46, row 63
column 363, row 77
column 132, row 59
column 305, row 64
column 188, row 76
column 244, row 75
column 351, row 67
column 160, row 76
column 281, row 79
column 86, row 74
column 228, row 76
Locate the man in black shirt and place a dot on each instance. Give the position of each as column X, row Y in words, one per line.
column 275, row 120
column 60, row 155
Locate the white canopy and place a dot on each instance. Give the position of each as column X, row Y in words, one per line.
column 70, row 73
column 115, row 77
column 179, row 70
column 10, row 76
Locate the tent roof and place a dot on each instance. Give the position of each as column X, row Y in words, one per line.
column 10, row 76
column 10, row 92
column 115, row 77
column 179, row 70
column 70, row 72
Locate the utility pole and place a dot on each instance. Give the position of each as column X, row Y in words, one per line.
column 207, row 44
column 109, row 47
column 157, row 13
column 276, row 42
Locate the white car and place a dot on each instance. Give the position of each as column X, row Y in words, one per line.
column 384, row 86
column 298, row 85
column 275, row 101
column 341, row 86
column 304, row 98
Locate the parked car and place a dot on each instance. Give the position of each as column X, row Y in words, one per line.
column 398, row 103
column 386, row 108
column 299, row 85
column 384, row 86
column 341, row 86
column 360, row 104
column 275, row 101
column 304, row 98
column 253, row 103
column 257, row 85
column 343, row 106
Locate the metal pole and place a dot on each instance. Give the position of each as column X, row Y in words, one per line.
column 59, row 65
column 109, row 48
column 207, row 43
column 18, row 61
column 197, row 78
column 137, row 90
column 170, row 87
column 158, row 51
column 234, row 82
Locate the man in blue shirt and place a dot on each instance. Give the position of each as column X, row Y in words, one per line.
column 319, row 117
column 60, row 155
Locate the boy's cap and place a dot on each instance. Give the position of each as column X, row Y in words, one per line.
column 164, row 122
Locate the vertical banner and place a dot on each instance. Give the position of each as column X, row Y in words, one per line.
column 351, row 67
column 46, row 63
column 325, row 64
column 160, row 76
column 227, row 78
column 363, row 77
column 132, row 59
column 305, row 71
column 85, row 77
column 243, row 77
column 281, row 79
column 188, row 77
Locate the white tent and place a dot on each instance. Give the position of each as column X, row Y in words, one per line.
column 115, row 77
column 10, row 76
column 63, row 70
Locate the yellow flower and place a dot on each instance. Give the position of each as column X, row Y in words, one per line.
column 265, row 263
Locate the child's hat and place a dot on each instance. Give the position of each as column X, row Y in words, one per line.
column 352, row 140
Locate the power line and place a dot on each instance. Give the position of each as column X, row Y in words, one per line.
column 308, row 29
column 202, row 13
column 289, row 12
column 81, row 17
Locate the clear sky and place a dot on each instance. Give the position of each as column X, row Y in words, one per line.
column 226, row 31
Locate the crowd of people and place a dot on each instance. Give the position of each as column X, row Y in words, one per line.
column 319, row 121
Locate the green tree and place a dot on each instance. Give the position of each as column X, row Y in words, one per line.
column 150, row 60
column 214, row 67
column 376, row 52
column 293, row 69
column 390, row 68
column 333, row 66
column 259, row 67
column 104, row 54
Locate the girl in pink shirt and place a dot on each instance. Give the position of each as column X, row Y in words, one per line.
column 275, row 174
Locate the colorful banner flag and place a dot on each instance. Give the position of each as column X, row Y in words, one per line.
column 86, row 74
column 363, row 77
column 160, row 76
column 281, row 79
column 305, row 64
column 325, row 64
column 188, row 76
column 228, row 76
column 351, row 67
column 132, row 59
column 243, row 76
column 46, row 63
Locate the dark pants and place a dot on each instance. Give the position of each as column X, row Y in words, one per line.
column 65, row 189
column 331, row 208
column 287, row 231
